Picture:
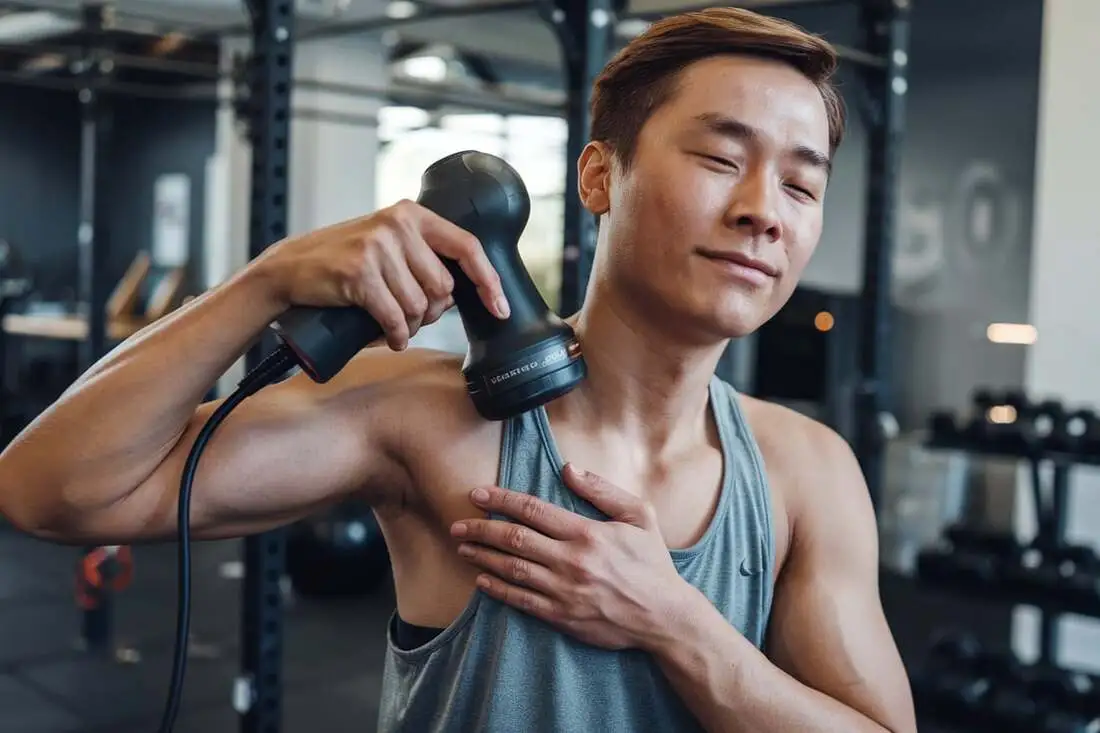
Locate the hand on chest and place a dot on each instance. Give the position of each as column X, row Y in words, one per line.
column 684, row 492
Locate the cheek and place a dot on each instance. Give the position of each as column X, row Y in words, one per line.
column 803, row 235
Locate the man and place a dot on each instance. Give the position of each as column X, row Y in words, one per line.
column 714, row 564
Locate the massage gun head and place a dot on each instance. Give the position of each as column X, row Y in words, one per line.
column 533, row 357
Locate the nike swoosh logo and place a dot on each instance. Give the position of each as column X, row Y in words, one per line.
column 747, row 571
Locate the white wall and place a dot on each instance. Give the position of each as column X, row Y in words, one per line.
column 1065, row 270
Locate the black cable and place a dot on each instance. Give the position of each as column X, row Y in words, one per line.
column 273, row 366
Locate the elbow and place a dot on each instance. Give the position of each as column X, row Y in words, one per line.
column 35, row 510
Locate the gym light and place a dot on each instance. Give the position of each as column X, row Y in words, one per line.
column 401, row 9
column 426, row 68
column 1012, row 333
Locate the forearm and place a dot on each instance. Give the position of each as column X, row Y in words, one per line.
column 732, row 687
column 118, row 421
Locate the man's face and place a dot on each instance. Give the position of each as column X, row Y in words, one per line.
column 720, row 209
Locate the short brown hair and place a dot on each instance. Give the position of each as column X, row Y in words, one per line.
column 641, row 77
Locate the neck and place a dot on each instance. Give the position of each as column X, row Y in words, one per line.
column 643, row 385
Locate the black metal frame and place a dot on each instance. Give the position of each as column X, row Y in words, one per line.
column 886, row 25
column 97, row 623
column 259, row 688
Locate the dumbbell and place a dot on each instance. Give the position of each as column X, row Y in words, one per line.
column 983, row 540
column 947, row 567
column 1046, row 428
column 1061, row 697
column 1078, row 581
column 956, row 677
column 1060, row 721
column 996, row 423
column 943, row 429
column 1079, row 433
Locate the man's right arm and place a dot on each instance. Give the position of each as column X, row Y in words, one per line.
column 103, row 464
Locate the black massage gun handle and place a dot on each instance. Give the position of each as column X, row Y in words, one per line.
column 324, row 340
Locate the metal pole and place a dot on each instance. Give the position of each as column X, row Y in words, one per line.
column 92, row 246
column 584, row 30
column 887, row 28
column 259, row 689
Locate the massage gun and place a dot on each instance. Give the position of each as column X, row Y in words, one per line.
column 512, row 365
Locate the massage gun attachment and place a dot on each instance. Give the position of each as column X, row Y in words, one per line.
column 512, row 365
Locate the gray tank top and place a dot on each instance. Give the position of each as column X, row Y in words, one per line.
column 497, row 670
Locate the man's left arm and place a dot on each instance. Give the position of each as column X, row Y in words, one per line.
column 831, row 662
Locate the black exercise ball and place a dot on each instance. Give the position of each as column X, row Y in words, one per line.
column 337, row 553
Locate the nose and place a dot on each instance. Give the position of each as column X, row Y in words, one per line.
column 754, row 208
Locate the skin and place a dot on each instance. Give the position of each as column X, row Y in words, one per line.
column 727, row 165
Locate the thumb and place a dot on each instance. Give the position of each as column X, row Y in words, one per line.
column 617, row 503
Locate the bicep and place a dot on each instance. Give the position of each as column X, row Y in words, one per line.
column 828, row 628
column 286, row 452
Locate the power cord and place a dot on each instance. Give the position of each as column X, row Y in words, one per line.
column 273, row 366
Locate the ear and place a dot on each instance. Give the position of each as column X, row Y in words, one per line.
column 594, row 178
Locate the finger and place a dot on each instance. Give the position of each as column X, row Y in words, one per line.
column 553, row 521
column 517, row 570
column 452, row 241
column 406, row 290
column 619, row 504
column 515, row 539
column 523, row 599
column 381, row 303
column 434, row 278
column 437, row 309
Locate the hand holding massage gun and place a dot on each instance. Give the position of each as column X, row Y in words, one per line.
column 513, row 365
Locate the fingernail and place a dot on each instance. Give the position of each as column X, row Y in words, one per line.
column 483, row 582
column 480, row 496
column 466, row 550
column 458, row 529
column 578, row 471
column 501, row 304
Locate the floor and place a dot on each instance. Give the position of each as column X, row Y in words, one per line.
column 47, row 685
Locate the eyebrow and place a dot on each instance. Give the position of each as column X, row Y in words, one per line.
column 737, row 130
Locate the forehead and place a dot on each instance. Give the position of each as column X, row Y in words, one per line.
column 767, row 95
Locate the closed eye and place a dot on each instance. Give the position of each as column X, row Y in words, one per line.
column 724, row 162
column 802, row 191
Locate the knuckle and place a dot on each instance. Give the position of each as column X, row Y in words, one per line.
column 579, row 568
column 520, row 569
column 415, row 303
column 531, row 510
column 516, row 537
column 439, row 287
column 403, row 211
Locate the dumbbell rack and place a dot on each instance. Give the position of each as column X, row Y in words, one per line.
column 1046, row 573
column 1051, row 503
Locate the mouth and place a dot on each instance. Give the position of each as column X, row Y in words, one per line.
column 744, row 265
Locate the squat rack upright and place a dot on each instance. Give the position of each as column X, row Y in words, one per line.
column 584, row 29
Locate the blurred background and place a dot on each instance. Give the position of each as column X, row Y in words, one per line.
column 960, row 248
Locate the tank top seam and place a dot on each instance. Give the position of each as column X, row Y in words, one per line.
column 721, row 416
column 550, row 446
column 767, row 504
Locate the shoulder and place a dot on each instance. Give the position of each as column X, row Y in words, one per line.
column 811, row 467
column 419, row 403
column 793, row 442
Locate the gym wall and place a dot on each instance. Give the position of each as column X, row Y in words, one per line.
column 967, row 183
column 39, row 177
